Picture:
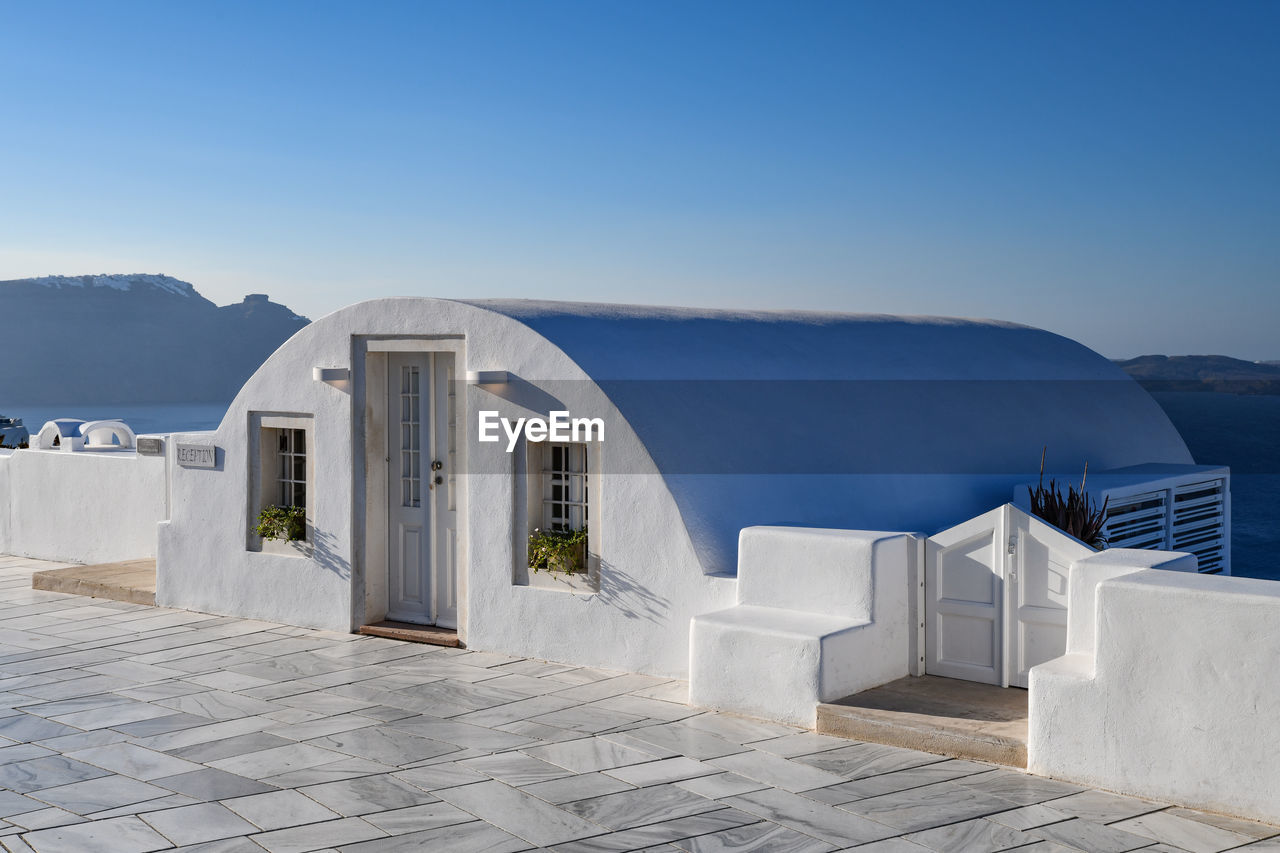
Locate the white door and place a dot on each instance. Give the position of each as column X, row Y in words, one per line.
column 996, row 596
column 422, row 510
column 1038, row 569
column 964, row 601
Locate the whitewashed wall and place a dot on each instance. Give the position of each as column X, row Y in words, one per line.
column 80, row 507
column 1167, row 690
column 664, row 536
column 821, row 614
column 651, row 582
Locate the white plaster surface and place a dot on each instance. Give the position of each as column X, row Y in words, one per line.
column 651, row 582
column 80, row 507
column 1175, row 700
column 821, row 614
column 860, row 421
column 692, row 455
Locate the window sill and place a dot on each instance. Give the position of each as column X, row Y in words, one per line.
column 280, row 548
column 585, row 583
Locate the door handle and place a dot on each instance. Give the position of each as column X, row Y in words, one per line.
column 436, row 465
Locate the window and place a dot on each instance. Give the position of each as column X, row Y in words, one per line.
column 410, row 436
column 281, row 473
column 293, row 467
column 560, row 491
column 564, row 486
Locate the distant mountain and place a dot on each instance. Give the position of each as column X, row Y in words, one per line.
column 130, row 339
column 1204, row 373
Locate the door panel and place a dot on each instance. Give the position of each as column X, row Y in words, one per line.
column 1042, row 561
column 964, row 601
column 408, row 590
column 422, row 487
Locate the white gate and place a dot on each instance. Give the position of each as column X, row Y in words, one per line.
column 996, row 596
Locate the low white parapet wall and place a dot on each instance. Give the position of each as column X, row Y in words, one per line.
column 1167, row 689
column 81, row 507
column 821, row 614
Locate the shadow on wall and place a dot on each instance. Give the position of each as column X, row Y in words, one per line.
column 633, row 600
column 524, row 393
column 327, row 555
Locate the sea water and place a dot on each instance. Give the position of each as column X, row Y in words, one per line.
column 141, row 417
column 1243, row 432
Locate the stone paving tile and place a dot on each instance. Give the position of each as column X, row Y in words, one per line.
column 26, row 776
column 628, row 809
column 1250, row 828
column 924, row 808
column 831, row 824
column 1102, row 806
column 899, row 780
column 446, row 775
column 301, row 839
column 656, row 834
column 275, row 761
column 755, row 836
column 418, row 818
column 579, row 787
column 971, row 836
column 96, row 795
column 279, row 809
column 521, row 814
column 12, row 803
column 514, row 768
column 1180, row 832
column 211, row 784
column 588, row 754
column 44, row 818
column 133, row 760
column 216, row 750
column 172, row 801
column 1019, row 788
column 776, row 772
column 367, row 794
column 120, row 835
column 721, row 786
column 1029, row 817
column 472, row 837
column 132, row 728
column 199, row 823
column 683, row 739
column 384, row 745
column 1094, row 837
column 662, row 771
column 862, row 760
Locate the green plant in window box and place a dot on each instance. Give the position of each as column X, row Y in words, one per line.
column 562, row 551
column 287, row 523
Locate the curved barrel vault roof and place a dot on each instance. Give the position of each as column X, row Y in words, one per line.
column 848, row 420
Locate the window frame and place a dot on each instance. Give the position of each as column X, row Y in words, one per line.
column 533, row 463
column 267, row 484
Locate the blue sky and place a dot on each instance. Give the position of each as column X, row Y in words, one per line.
column 1109, row 171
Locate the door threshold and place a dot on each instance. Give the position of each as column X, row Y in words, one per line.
column 410, row 633
column 960, row 719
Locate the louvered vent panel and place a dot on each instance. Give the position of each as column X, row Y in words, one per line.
column 1137, row 521
column 1199, row 523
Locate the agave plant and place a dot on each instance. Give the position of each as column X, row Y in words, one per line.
column 1076, row 513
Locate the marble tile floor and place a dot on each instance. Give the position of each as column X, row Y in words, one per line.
column 126, row 728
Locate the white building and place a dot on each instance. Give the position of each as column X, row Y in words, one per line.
column 712, row 422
